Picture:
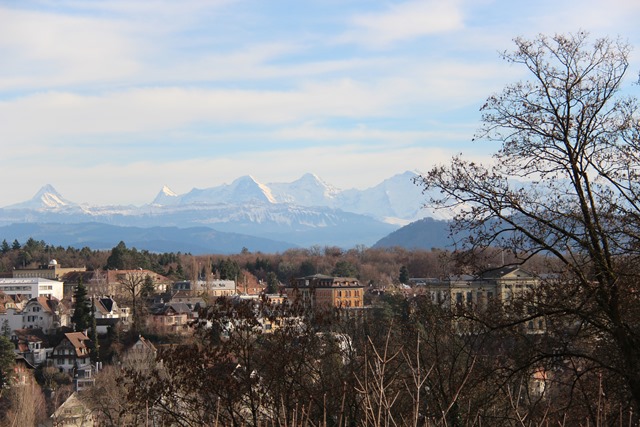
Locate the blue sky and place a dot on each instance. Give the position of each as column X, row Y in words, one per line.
column 110, row 100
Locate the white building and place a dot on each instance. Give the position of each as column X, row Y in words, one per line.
column 44, row 313
column 213, row 288
column 32, row 287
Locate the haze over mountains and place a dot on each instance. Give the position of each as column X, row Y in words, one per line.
column 267, row 217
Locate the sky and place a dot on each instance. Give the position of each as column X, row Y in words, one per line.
column 108, row 101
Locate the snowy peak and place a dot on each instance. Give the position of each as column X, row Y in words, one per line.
column 166, row 197
column 308, row 190
column 247, row 188
column 47, row 198
column 396, row 200
column 167, row 192
column 242, row 190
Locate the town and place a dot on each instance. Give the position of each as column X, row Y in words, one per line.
column 96, row 346
column 495, row 282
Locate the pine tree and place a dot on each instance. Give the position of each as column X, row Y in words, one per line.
column 404, row 275
column 95, row 354
column 7, row 360
column 81, row 308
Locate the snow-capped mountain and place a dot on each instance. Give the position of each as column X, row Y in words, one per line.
column 308, row 190
column 396, row 200
column 47, row 198
column 166, row 197
column 305, row 212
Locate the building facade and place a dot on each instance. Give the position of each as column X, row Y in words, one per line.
column 71, row 353
column 32, row 287
column 326, row 291
column 501, row 285
column 51, row 271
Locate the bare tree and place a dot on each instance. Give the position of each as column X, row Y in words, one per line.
column 565, row 183
column 27, row 406
column 134, row 285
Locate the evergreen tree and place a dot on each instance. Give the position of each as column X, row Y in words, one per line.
column 6, row 329
column 272, row 283
column 345, row 269
column 307, row 268
column 180, row 271
column 7, row 360
column 5, row 246
column 81, row 308
column 16, row 246
column 404, row 274
column 117, row 259
column 95, row 354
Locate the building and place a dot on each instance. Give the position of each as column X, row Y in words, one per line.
column 11, row 312
column 51, row 271
column 502, row 285
column 140, row 356
column 113, row 282
column 326, row 291
column 72, row 413
column 505, row 284
column 71, row 353
column 23, row 372
column 32, row 345
column 32, row 287
column 46, row 313
column 170, row 318
column 109, row 314
column 211, row 288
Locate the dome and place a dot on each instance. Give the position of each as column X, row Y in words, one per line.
column 53, row 262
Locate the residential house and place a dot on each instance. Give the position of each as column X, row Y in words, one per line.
column 83, row 377
column 71, row 353
column 141, row 355
column 109, row 314
column 23, row 372
column 46, row 313
column 32, row 344
column 11, row 312
column 72, row 413
column 170, row 318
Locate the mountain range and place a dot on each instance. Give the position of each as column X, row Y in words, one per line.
column 244, row 213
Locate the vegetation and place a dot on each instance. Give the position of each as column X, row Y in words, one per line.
column 82, row 310
column 405, row 360
column 7, row 360
column 570, row 132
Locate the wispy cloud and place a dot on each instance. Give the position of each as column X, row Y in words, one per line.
column 404, row 21
column 126, row 95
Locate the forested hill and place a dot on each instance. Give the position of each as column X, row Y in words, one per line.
column 426, row 233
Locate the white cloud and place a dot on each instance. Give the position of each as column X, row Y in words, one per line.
column 404, row 21
column 109, row 100
column 52, row 50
